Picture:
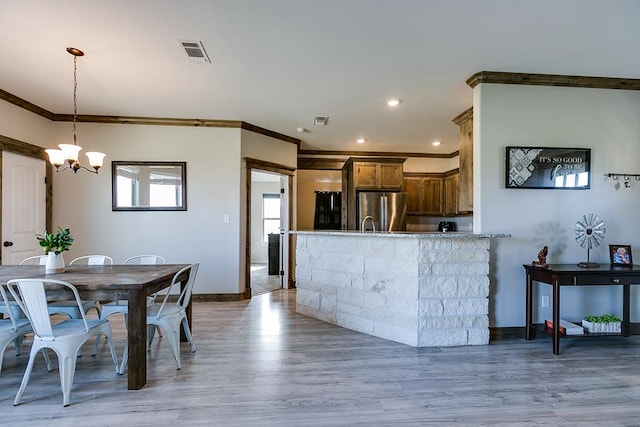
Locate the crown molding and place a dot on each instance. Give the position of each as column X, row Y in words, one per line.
column 133, row 120
column 552, row 80
column 346, row 154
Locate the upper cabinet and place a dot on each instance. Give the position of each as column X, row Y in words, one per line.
column 465, row 196
column 433, row 194
column 425, row 194
column 451, row 194
column 378, row 174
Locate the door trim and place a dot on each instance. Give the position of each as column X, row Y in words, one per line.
column 288, row 171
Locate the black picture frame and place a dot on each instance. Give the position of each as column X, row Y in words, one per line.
column 620, row 255
column 132, row 182
column 548, row 168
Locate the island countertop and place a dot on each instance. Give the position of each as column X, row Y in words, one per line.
column 403, row 234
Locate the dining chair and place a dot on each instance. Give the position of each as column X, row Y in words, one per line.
column 64, row 338
column 67, row 308
column 122, row 306
column 92, row 260
column 36, row 259
column 170, row 316
column 12, row 328
column 70, row 308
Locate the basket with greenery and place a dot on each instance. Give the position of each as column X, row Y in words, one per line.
column 607, row 323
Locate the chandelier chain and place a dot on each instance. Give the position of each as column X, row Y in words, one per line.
column 75, row 98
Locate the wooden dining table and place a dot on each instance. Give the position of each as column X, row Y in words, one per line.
column 111, row 282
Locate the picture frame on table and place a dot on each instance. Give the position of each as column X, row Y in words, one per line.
column 620, row 255
column 548, row 168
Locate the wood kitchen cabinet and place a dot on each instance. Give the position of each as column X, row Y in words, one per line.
column 451, row 194
column 368, row 174
column 465, row 196
column 377, row 175
column 425, row 194
column 434, row 194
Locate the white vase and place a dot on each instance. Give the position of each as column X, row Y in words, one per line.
column 55, row 263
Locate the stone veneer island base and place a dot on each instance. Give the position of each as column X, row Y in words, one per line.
column 420, row 289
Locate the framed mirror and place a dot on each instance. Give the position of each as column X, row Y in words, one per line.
column 149, row 186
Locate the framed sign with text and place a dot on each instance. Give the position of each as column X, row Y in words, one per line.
column 548, row 167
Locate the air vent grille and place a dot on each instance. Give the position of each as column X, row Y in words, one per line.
column 320, row 120
column 195, row 51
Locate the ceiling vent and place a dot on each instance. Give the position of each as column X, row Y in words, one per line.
column 195, row 51
column 320, row 120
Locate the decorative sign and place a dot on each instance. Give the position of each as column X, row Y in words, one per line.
column 546, row 167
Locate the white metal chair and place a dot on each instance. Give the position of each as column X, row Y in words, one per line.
column 11, row 329
column 169, row 317
column 122, row 306
column 145, row 260
column 64, row 338
column 36, row 259
column 69, row 308
column 92, row 260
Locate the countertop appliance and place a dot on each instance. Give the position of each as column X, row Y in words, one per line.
column 388, row 211
column 447, row 226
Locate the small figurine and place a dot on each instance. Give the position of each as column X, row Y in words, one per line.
column 542, row 258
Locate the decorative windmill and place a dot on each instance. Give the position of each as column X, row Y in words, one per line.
column 590, row 232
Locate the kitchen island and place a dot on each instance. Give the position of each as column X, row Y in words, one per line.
column 420, row 289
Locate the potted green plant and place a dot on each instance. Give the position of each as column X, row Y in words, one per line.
column 54, row 245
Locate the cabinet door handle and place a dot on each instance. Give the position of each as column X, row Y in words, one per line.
column 6, row 244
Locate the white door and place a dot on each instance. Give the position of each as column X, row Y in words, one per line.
column 23, row 206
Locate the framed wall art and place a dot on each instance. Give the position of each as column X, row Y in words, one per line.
column 548, row 168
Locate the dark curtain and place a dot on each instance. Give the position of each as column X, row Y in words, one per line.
column 328, row 210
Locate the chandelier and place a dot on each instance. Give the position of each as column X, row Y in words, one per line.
column 68, row 153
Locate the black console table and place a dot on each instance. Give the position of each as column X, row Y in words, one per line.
column 558, row 275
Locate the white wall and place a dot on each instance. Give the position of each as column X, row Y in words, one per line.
column 20, row 124
column 83, row 201
column 607, row 121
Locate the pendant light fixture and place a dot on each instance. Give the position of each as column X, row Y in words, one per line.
column 69, row 152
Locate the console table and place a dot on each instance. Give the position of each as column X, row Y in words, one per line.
column 558, row 275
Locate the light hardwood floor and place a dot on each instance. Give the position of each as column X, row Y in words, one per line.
column 260, row 364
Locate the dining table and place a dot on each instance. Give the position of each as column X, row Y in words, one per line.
column 112, row 282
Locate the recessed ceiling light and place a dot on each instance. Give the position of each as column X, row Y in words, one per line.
column 301, row 130
column 392, row 102
column 361, row 140
column 435, row 143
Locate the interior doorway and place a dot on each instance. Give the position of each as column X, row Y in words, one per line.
column 266, row 225
column 253, row 203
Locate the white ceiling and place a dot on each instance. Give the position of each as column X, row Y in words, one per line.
column 279, row 63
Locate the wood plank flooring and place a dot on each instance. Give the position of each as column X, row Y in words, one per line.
column 260, row 364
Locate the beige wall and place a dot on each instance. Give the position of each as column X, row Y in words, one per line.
column 310, row 181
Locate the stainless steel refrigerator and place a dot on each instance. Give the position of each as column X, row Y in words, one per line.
column 387, row 210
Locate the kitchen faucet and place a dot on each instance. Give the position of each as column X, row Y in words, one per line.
column 364, row 220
